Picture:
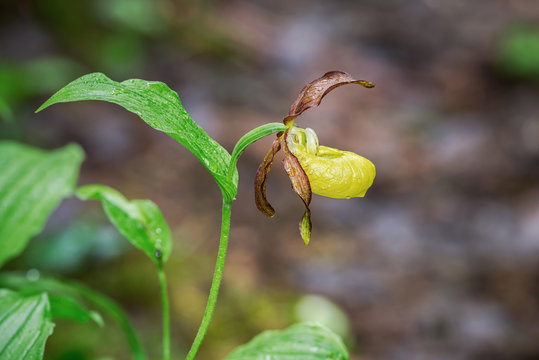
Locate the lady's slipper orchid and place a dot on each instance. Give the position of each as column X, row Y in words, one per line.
column 313, row 168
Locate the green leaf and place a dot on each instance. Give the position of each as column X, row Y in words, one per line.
column 32, row 184
column 159, row 107
column 69, row 308
column 25, row 325
column 140, row 221
column 304, row 341
column 33, row 281
column 62, row 306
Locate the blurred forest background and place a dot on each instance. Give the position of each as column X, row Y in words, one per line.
column 438, row 261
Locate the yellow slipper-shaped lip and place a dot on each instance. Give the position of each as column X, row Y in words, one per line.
column 332, row 173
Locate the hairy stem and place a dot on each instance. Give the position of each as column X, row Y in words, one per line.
column 216, row 282
column 166, row 312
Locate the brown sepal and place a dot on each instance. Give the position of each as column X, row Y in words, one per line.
column 312, row 94
column 262, row 176
column 302, row 187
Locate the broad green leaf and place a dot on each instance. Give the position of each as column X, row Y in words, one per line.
column 33, row 281
column 140, row 221
column 32, row 184
column 25, row 325
column 302, row 341
column 159, row 107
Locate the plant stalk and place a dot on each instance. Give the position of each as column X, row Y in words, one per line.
column 216, row 282
column 166, row 311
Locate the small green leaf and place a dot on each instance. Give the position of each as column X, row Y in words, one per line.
column 25, row 325
column 302, row 341
column 140, row 221
column 159, row 107
column 32, row 184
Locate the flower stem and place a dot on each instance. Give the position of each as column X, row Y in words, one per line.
column 216, row 282
column 166, row 311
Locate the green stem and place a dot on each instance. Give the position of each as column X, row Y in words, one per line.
column 248, row 139
column 166, row 311
column 216, row 282
column 117, row 313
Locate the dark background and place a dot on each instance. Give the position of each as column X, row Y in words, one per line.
column 438, row 261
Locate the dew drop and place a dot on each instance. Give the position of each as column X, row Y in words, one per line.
column 33, row 275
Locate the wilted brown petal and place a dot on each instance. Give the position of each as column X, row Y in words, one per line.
column 312, row 94
column 302, row 187
column 262, row 176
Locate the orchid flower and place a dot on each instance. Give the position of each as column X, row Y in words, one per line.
column 313, row 168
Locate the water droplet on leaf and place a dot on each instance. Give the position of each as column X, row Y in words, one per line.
column 33, row 275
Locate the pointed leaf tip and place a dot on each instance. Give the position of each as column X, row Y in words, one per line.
column 140, row 221
column 161, row 108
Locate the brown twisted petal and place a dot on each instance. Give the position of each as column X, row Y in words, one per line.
column 312, row 94
column 262, row 176
column 302, row 187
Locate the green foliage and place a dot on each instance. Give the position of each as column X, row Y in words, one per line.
column 61, row 305
column 68, row 308
column 159, row 107
column 57, row 252
column 302, row 341
column 79, row 293
column 32, row 184
column 18, row 79
column 518, row 52
column 6, row 114
column 25, row 325
column 140, row 15
column 140, row 221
